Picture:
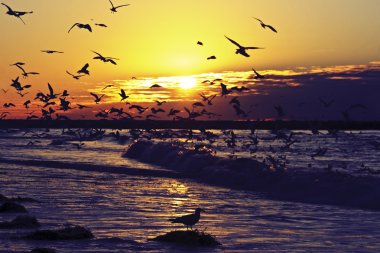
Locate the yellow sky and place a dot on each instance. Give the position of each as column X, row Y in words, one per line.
column 155, row 38
column 158, row 38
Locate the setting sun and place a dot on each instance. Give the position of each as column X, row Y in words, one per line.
column 187, row 83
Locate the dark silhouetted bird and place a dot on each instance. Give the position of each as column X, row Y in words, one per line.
column 105, row 59
column 123, row 95
column 189, row 220
column 17, row 14
column 200, row 43
column 84, row 70
column 258, row 75
column 213, row 57
column 52, row 52
column 74, row 76
column 263, row 25
column 114, row 8
column 81, row 26
column 97, row 98
column 242, row 50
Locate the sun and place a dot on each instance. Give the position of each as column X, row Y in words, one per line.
column 187, row 83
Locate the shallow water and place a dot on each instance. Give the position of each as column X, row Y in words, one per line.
column 123, row 211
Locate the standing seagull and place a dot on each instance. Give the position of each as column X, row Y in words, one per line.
column 82, row 26
column 242, row 50
column 17, row 14
column 114, row 8
column 189, row 220
column 265, row 25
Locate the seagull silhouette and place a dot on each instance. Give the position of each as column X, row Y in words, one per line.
column 213, row 57
column 17, row 14
column 105, row 59
column 242, row 50
column 74, row 76
column 84, row 70
column 123, row 95
column 114, row 8
column 189, row 220
column 81, row 26
column 200, row 43
column 101, row 25
column 258, row 76
column 51, row 52
column 265, row 25
column 97, row 98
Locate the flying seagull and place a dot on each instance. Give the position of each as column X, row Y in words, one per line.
column 114, row 8
column 265, row 25
column 17, row 14
column 242, row 50
column 97, row 98
column 51, row 52
column 84, row 70
column 101, row 25
column 76, row 77
column 123, row 95
column 213, row 57
column 82, row 26
column 189, row 220
column 105, row 59
column 200, row 43
column 258, row 75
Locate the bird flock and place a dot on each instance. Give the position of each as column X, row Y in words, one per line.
column 51, row 102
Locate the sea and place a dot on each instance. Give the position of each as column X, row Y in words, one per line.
column 81, row 177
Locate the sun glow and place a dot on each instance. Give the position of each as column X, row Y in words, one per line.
column 187, row 83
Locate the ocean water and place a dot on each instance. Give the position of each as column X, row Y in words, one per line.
column 94, row 186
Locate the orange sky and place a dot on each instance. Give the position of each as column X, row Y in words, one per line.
column 158, row 38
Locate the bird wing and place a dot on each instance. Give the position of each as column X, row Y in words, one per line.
column 98, row 54
column 272, row 28
column 73, row 27
column 122, row 93
column 22, row 69
column 50, row 89
column 111, row 4
column 94, row 95
column 254, row 48
column 233, row 42
column 9, row 8
column 88, row 27
column 121, row 6
column 259, row 20
column 85, row 67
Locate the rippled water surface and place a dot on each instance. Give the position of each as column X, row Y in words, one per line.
column 123, row 211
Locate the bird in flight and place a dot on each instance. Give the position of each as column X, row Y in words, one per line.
column 76, row 77
column 97, row 98
column 200, row 43
column 105, row 59
column 123, row 95
column 107, row 86
column 84, row 70
column 81, row 26
column 51, row 52
column 265, row 25
column 213, row 57
column 258, row 76
column 101, row 25
column 189, row 220
column 17, row 14
column 114, row 8
column 242, row 50
column 24, row 73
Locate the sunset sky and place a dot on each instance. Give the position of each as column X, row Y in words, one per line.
column 158, row 38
